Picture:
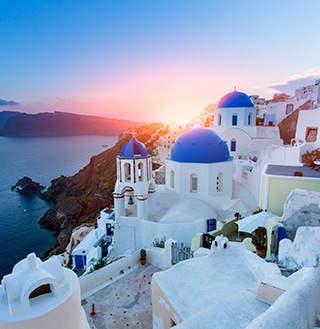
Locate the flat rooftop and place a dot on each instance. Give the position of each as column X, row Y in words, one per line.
column 213, row 292
column 126, row 303
column 280, row 170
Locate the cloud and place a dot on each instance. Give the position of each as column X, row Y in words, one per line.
column 3, row 102
column 297, row 81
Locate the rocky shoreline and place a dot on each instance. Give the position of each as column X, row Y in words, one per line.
column 80, row 198
column 27, row 186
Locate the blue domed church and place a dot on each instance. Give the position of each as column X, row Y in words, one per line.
column 235, row 121
column 198, row 181
column 235, row 110
column 200, row 167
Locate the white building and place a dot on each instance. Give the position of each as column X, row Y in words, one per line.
column 260, row 105
column 199, row 180
column 311, row 92
column 40, row 295
column 166, row 142
column 200, row 167
column 235, row 121
column 87, row 247
column 278, row 110
column 308, row 126
column 233, row 288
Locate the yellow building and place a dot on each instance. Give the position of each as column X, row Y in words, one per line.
column 278, row 181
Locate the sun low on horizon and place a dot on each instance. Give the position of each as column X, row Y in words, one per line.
column 152, row 61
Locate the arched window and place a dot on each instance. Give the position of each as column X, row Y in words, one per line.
column 220, row 119
column 194, row 183
column 289, row 108
column 172, row 179
column 233, row 145
column 41, row 290
column 127, row 172
column 234, row 120
column 249, row 119
column 140, row 171
column 219, row 182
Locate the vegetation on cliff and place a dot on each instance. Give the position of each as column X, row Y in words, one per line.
column 79, row 199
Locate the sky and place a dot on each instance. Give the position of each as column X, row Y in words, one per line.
column 151, row 60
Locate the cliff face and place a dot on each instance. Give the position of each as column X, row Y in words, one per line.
column 79, row 199
column 63, row 124
column 5, row 116
column 288, row 125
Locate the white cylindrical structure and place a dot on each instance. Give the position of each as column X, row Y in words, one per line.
column 40, row 295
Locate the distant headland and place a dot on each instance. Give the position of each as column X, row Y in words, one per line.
column 17, row 124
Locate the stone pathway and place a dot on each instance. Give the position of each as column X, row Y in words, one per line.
column 126, row 303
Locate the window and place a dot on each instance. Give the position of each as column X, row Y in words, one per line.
column 194, row 183
column 234, row 119
column 41, row 290
column 233, row 145
column 172, row 179
column 249, row 119
column 140, row 171
column 219, row 182
column 220, row 119
column 289, row 108
column 127, row 172
column 311, row 134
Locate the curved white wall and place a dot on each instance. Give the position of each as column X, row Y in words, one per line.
column 49, row 311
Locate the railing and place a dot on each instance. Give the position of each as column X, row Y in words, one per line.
column 180, row 252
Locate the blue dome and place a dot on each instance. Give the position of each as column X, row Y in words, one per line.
column 200, row 145
column 133, row 149
column 235, row 99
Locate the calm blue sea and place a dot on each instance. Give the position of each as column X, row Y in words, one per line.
column 42, row 159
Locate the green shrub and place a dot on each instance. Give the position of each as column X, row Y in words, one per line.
column 99, row 264
column 159, row 243
column 70, row 262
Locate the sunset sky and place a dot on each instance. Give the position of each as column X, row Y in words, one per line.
column 152, row 60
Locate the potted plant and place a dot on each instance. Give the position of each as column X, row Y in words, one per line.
column 143, row 256
column 259, row 240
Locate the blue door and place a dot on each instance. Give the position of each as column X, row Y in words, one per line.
column 80, row 261
column 108, row 229
column 104, row 250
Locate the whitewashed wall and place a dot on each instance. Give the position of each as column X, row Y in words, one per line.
column 308, row 119
column 134, row 234
column 207, row 178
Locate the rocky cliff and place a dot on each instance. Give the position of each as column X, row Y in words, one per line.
column 79, row 199
column 27, row 186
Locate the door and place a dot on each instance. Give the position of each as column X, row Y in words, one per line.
column 80, row 261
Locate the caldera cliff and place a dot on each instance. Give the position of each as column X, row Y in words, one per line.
column 79, row 199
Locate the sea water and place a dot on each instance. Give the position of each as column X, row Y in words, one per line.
column 42, row 159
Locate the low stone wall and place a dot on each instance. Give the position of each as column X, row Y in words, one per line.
column 96, row 280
